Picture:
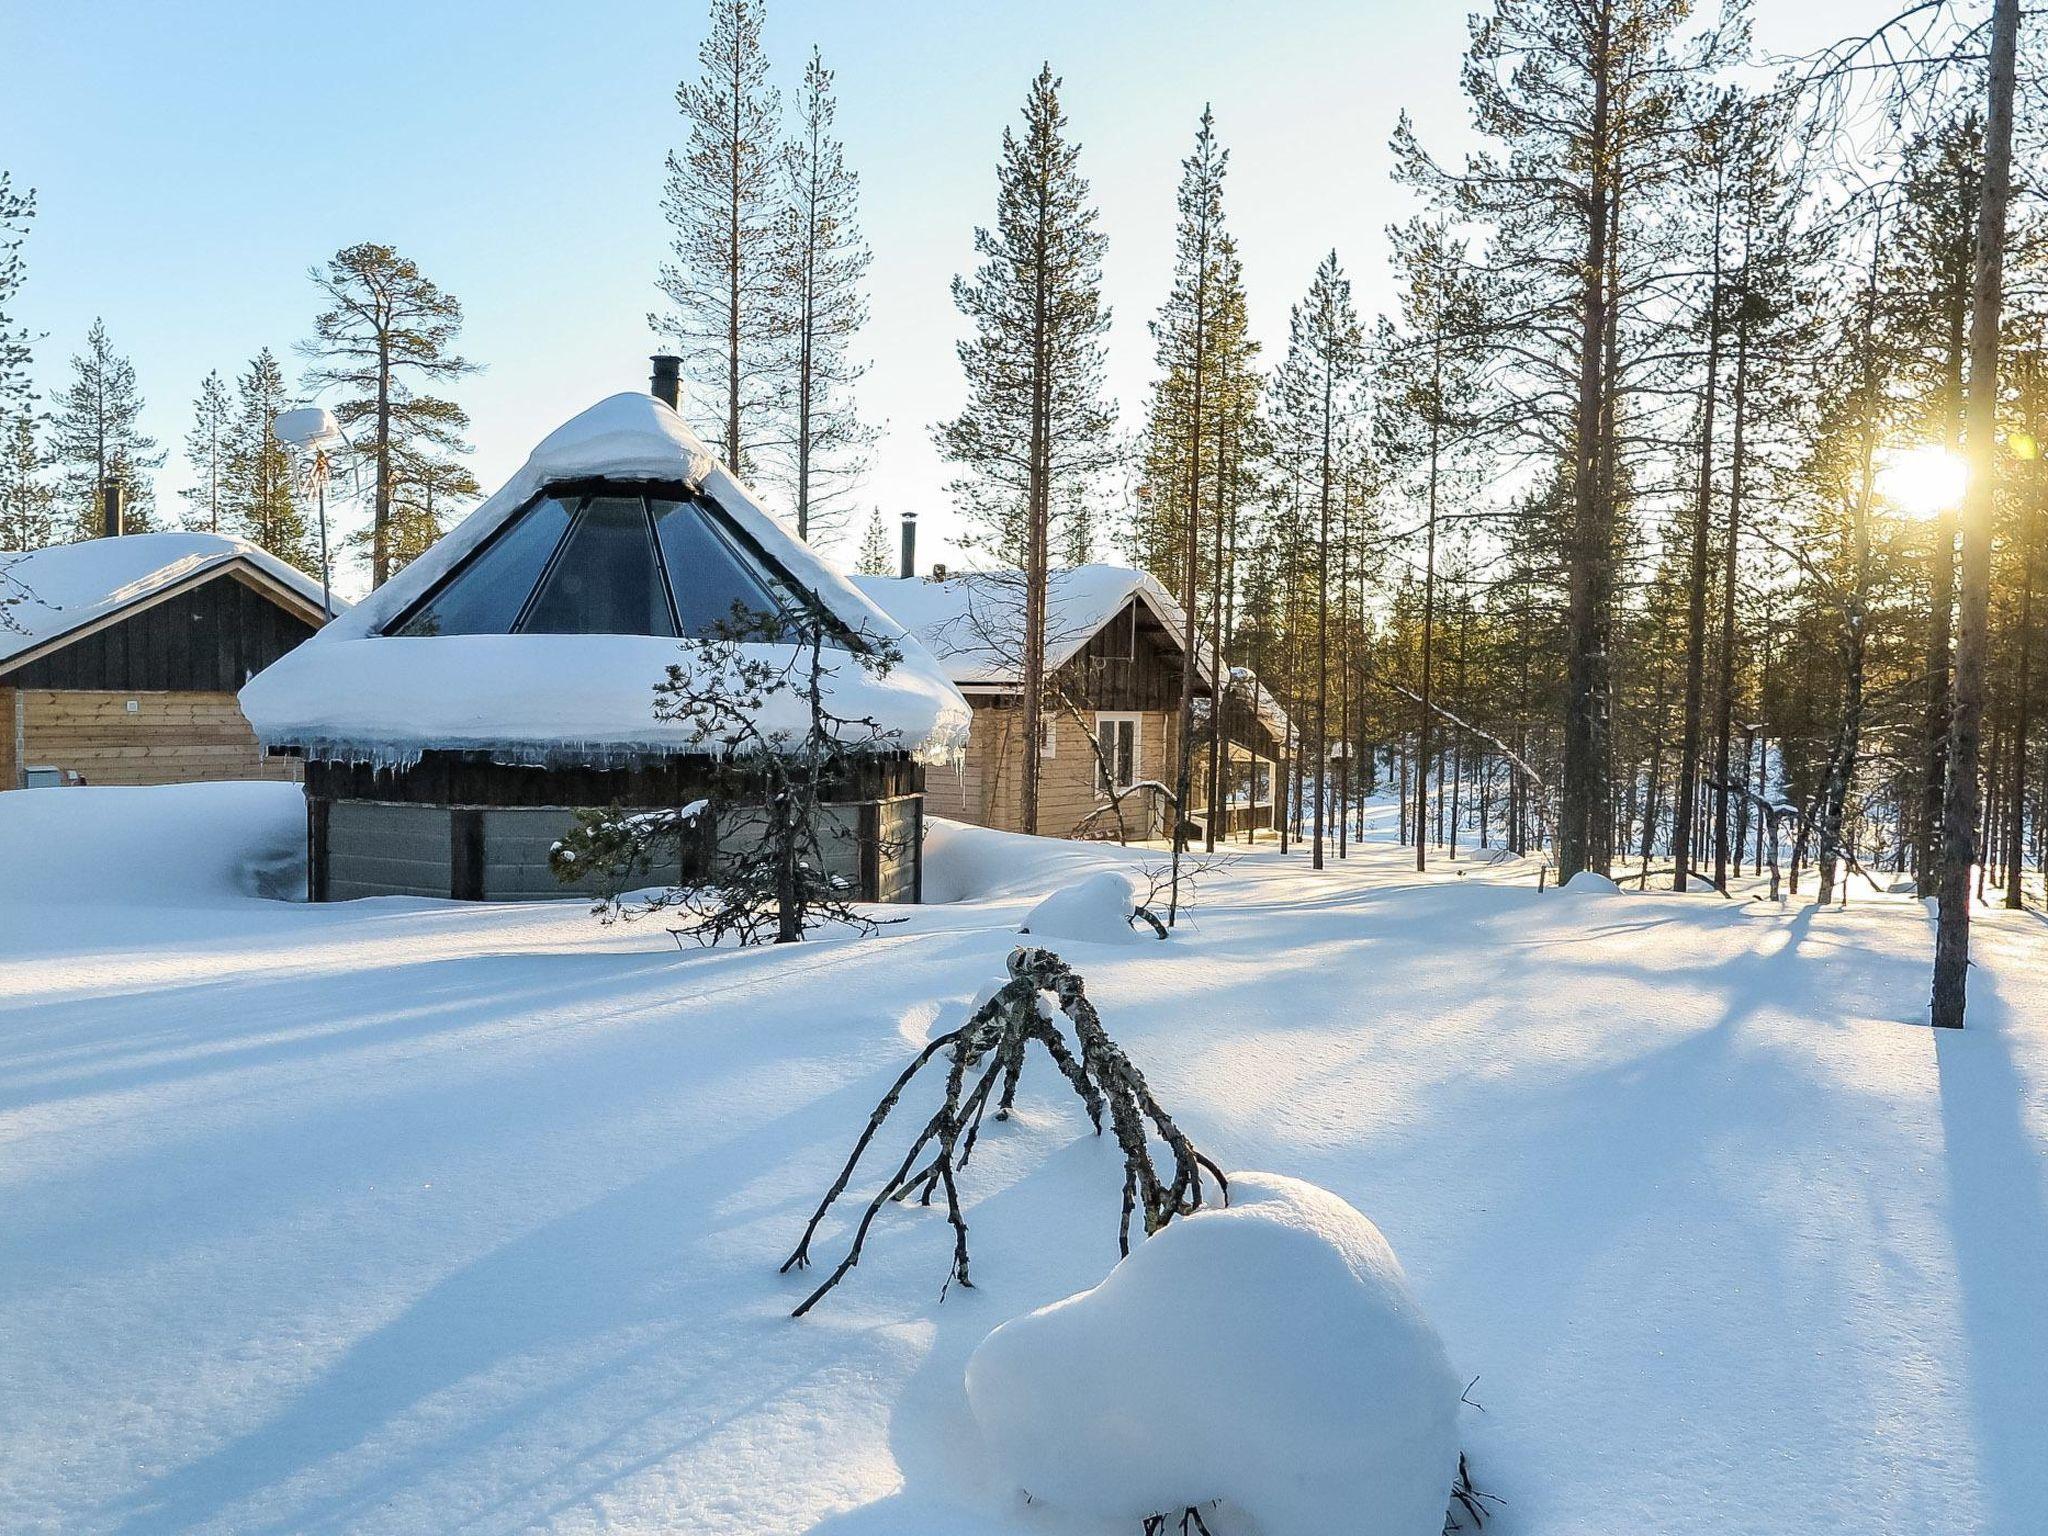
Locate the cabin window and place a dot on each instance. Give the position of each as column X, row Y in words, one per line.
column 486, row 598
column 604, row 581
column 1117, row 765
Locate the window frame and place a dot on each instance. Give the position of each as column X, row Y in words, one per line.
column 1112, row 717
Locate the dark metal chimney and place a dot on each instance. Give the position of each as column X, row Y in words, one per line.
column 667, row 383
column 113, row 506
column 909, row 545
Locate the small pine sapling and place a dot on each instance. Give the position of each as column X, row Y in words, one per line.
column 765, row 832
column 989, row 1050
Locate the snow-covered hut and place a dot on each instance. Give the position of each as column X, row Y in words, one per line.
column 120, row 656
column 453, row 721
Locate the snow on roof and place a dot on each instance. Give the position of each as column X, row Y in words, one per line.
column 1245, row 684
column 973, row 622
column 69, row 586
column 352, row 693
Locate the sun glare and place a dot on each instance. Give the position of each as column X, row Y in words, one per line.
column 1922, row 482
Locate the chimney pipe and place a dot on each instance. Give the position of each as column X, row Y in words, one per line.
column 113, row 506
column 909, row 567
column 667, row 383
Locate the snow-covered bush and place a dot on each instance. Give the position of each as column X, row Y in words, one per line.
column 1102, row 908
column 1268, row 1354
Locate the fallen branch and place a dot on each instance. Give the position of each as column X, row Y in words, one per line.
column 990, row 1047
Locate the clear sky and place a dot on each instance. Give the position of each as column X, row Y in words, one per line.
column 193, row 159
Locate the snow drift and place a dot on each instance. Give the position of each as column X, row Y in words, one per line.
column 1590, row 882
column 177, row 844
column 1095, row 909
column 1269, row 1354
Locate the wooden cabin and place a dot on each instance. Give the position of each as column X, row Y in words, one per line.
column 120, row 658
column 454, row 722
column 1114, row 641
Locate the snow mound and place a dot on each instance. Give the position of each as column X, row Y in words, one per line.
column 1589, row 882
column 1269, row 1354
column 1095, row 908
column 165, row 844
column 969, row 863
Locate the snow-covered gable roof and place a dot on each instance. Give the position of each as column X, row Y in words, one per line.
column 973, row 622
column 72, row 587
column 354, row 693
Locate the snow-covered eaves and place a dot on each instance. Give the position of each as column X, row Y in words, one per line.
column 67, row 590
column 973, row 622
column 558, row 701
column 353, row 693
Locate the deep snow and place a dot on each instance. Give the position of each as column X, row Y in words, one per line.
column 403, row 1215
column 1268, row 1353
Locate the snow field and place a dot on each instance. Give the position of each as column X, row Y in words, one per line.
column 402, row 1215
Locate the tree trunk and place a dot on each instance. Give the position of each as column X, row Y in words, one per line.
column 1966, row 722
column 1584, row 790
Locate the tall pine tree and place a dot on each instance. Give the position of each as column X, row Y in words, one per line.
column 821, row 261
column 28, row 502
column 259, row 499
column 1035, row 431
column 1316, row 399
column 387, row 330
column 721, row 202
column 96, row 436
column 206, row 450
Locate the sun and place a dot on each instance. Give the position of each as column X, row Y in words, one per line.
column 1922, row 482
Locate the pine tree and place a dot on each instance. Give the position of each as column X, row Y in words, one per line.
column 28, row 503
column 1035, row 430
column 95, row 436
column 16, row 209
column 1428, row 406
column 206, row 448
column 387, row 329
column 721, row 203
column 1583, row 104
column 258, row 497
column 431, row 487
column 15, row 214
column 821, row 261
column 873, row 559
column 1315, row 392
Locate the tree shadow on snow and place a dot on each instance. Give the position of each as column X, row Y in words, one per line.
column 1998, row 1218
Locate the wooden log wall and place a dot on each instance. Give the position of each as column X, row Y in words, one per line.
column 134, row 737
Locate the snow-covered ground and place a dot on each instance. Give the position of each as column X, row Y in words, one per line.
column 414, row 1216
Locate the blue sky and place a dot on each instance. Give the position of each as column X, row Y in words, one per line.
column 194, row 159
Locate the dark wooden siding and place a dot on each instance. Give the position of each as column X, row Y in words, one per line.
column 1110, row 672
column 211, row 639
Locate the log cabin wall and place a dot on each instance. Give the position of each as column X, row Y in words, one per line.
column 134, row 738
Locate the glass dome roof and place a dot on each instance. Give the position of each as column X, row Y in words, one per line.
column 609, row 559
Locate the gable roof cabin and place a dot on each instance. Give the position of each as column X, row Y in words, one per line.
column 120, row 657
column 1114, row 638
column 453, row 720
